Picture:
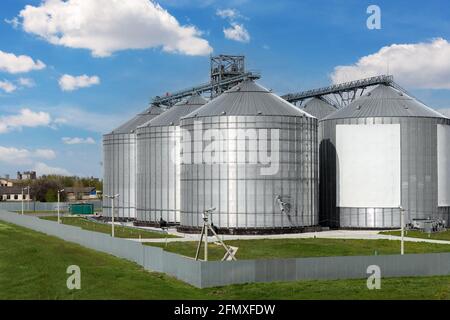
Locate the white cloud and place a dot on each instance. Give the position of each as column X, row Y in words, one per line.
column 95, row 122
column 47, row 154
column 44, row 169
column 188, row 3
column 60, row 121
column 14, row 22
column 10, row 87
column 77, row 140
column 26, row 157
column 11, row 63
column 108, row 26
column 7, row 86
column 71, row 83
column 26, row 82
column 17, row 156
column 25, row 118
column 237, row 32
column 419, row 65
column 14, row 155
column 228, row 13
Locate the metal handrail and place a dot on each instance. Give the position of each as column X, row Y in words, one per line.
column 347, row 86
column 205, row 87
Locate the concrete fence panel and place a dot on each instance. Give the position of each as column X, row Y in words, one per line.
column 217, row 273
column 183, row 268
column 42, row 206
column 153, row 258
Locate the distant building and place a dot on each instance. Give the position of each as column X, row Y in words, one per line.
column 6, row 183
column 13, row 194
column 27, row 175
column 85, row 193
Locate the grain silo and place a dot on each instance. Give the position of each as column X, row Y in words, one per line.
column 383, row 151
column 158, row 170
column 319, row 108
column 253, row 157
column 119, row 165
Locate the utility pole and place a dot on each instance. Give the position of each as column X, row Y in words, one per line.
column 112, row 211
column 206, row 244
column 23, row 194
column 22, row 201
column 59, row 192
column 402, row 222
column 29, row 199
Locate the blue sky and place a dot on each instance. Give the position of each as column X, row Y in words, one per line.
column 296, row 45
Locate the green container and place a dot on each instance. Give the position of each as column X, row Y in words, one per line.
column 81, row 208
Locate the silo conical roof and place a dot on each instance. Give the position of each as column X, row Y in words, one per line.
column 248, row 99
column 319, row 108
column 385, row 101
column 174, row 114
column 138, row 120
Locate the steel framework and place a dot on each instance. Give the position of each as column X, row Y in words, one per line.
column 344, row 93
column 226, row 72
column 229, row 70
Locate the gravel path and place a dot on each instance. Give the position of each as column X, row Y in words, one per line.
column 334, row 234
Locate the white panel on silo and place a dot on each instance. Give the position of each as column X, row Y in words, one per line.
column 368, row 160
column 443, row 140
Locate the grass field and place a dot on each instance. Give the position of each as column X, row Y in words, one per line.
column 119, row 231
column 33, row 266
column 445, row 235
column 296, row 248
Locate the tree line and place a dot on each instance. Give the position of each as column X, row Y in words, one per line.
column 45, row 188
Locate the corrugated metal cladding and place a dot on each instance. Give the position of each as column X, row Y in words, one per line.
column 119, row 165
column 245, row 197
column 158, row 170
column 418, row 160
column 319, row 108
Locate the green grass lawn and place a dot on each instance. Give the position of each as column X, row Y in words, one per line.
column 119, row 231
column 296, row 248
column 33, row 266
column 445, row 235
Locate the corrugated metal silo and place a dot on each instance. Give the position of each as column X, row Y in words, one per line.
column 158, row 173
column 249, row 126
column 119, row 165
column 383, row 151
column 319, row 108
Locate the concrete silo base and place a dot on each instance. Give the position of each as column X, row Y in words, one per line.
column 116, row 219
column 254, row 231
column 153, row 224
column 365, row 229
